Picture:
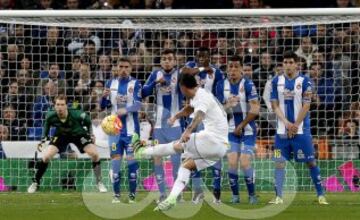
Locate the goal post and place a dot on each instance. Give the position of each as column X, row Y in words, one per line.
column 44, row 53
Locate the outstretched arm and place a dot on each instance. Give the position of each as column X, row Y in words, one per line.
column 198, row 118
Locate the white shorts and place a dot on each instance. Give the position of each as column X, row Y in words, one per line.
column 205, row 149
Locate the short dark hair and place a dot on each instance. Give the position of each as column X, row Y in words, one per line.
column 188, row 81
column 235, row 58
column 167, row 51
column 61, row 97
column 124, row 59
column 315, row 64
column 291, row 55
column 89, row 42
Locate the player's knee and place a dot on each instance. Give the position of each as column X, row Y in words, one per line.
column 46, row 158
column 280, row 165
column 244, row 164
column 311, row 164
column 233, row 164
column 157, row 161
column 178, row 147
column 116, row 157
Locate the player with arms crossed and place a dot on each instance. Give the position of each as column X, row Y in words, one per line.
column 207, row 76
column 72, row 126
column 168, row 102
column 239, row 95
column 200, row 150
column 290, row 100
column 123, row 95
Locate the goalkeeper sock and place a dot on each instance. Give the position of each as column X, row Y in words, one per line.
column 216, row 172
column 175, row 161
column 160, row 150
column 315, row 176
column 196, row 181
column 180, row 183
column 132, row 175
column 42, row 167
column 279, row 181
column 97, row 170
column 116, row 175
column 159, row 174
column 233, row 179
column 249, row 180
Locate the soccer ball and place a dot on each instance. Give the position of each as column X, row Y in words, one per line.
column 111, row 125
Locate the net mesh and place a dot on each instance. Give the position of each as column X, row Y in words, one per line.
column 41, row 57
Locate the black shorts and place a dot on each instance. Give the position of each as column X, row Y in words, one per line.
column 62, row 142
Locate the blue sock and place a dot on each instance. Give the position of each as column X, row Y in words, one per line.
column 132, row 175
column 160, row 179
column 196, row 181
column 233, row 180
column 216, row 172
column 279, row 181
column 115, row 166
column 175, row 161
column 315, row 176
column 249, row 180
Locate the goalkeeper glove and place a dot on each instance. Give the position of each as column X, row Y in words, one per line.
column 40, row 145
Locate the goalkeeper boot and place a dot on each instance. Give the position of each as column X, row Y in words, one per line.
column 101, row 187
column 132, row 198
column 33, row 187
column 116, row 199
column 166, row 204
column 277, row 200
column 322, row 200
column 253, row 200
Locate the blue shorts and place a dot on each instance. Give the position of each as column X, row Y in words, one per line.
column 242, row 144
column 301, row 146
column 167, row 135
column 120, row 144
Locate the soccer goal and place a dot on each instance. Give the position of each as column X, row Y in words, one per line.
column 45, row 53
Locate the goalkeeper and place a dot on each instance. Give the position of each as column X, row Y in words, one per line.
column 72, row 126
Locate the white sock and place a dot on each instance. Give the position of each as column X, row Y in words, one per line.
column 180, row 182
column 160, row 150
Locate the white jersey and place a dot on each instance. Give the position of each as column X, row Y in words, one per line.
column 215, row 120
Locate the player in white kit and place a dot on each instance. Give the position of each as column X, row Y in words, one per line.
column 200, row 150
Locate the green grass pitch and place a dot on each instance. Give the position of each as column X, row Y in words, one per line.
column 50, row 205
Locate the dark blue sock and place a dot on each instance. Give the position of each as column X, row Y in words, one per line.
column 316, row 178
column 115, row 166
column 196, row 181
column 160, row 179
column 249, row 180
column 175, row 161
column 132, row 175
column 216, row 172
column 279, row 181
column 233, row 180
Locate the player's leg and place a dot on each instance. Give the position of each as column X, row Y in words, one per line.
column 116, row 159
column 42, row 165
column 216, row 173
column 247, row 152
column 159, row 137
column 90, row 149
column 233, row 161
column 181, row 181
column 282, row 152
column 304, row 152
column 133, row 166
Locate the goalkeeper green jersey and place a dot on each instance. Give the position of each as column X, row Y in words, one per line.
column 77, row 123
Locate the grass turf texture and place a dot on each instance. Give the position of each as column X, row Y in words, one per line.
column 50, row 205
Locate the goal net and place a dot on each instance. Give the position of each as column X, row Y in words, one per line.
column 48, row 53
